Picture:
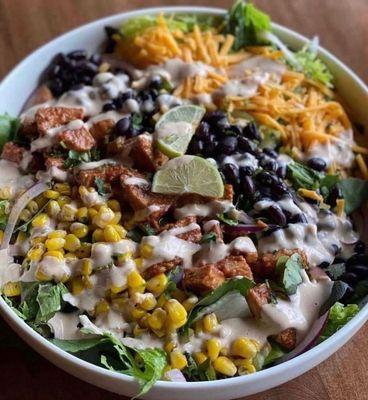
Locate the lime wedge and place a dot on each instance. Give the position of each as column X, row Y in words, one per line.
column 188, row 174
column 175, row 129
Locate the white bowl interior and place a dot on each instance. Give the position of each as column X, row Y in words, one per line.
column 15, row 89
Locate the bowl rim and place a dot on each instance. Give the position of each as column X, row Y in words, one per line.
column 328, row 346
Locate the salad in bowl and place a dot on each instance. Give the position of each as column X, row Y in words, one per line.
column 186, row 205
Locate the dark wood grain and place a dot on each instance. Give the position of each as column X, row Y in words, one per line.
column 26, row 24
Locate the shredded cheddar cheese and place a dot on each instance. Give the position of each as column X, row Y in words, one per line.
column 340, row 206
column 310, row 194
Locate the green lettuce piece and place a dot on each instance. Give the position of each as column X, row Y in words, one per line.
column 304, row 177
column 8, row 128
column 4, row 213
column 244, row 21
column 289, row 269
column 146, row 365
column 313, row 66
column 241, row 286
column 195, row 372
column 355, row 193
column 339, row 316
column 182, row 22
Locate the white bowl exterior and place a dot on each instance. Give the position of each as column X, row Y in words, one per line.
column 15, row 89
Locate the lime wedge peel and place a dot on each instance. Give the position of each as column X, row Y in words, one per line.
column 189, row 174
column 175, row 129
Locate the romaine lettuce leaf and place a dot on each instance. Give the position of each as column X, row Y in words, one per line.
column 8, row 128
column 355, row 193
column 339, row 316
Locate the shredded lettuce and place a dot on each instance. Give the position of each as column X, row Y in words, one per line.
column 246, row 22
column 8, row 128
column 313, row 66
column 339, row 316
column 182, row 22
column 146, row 365
column 355, row 193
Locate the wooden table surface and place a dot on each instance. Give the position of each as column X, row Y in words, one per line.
column 26, row 24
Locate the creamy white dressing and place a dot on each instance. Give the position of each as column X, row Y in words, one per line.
column 210, row 209
column 102, row 253
column 12, row 179
column 65, row 326
column 337, row 151
column 241, row 160
column 96, row 164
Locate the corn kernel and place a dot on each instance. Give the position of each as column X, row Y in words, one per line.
column 25, row 215
column 116, row 219
column 149, row 302
column 161, row 300
column 2, row 236
column 35, row 253
column 177, row 315
column 79, row 230
column 245, row 367
column 63, row 188
column 70, row 256
column 32, row 206
column 224, row 351
column 200, row 357
column 41, row 276
column 198, row 327
column 134, row 291
column 55, row 244
column 98, row 235
column 55, row 253
column 157, row 284
column 82, row 214
column 71, row 243
column 53, row 208
column 169, row 346
column 86, row 268
column 243, row 347
column 120, row 230
column 38, row 239
column 6, row 192
column 190, row 302
column 87, row 281
column 210, row 322
column 92, row 213
column 138, row 313
column 40, row 221
column 120, row 259
column 11, row 289
column 157, row 319
column 59, row 233
column 137, row 330
column 40, row 200
column 84, row 251
column 63, row 200
column 143, row 322
column 64, row 226
column 51, row 194
column 110, row 234
column 224, row 366
column 119, row 303
column 67, row 213
column 102, row 307
column 178, row 360
column 146, row 250
column 213, row 348
column 117, row 289
column 138, row 262
column 104, row 217
column 114, row 205
column 135, row 279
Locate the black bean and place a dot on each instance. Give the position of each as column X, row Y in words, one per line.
column 123, row 126
column 231, row 172
column 96, row 59
column 348, row 293
column 118, row 102
column 56, row 86
column 270, row 152
column 247, row 185
column 335, row 193
column 279, row 189
column 210, row 147
column 156, row 82
column 276, row 215
column 203, row 131
column 234, row 130
column 281, row 171
column 108, row 107
column 228, row 145
column 324, row 264
column 357, row 259
column 350, row 278
column 251, row 131
column 266, row 178
column 128, row 94
column 359, row 247
column 269, row 164
column 77, row 54
column 213, row 117
column 221, row 126
column 360, row 270
column 265, row 193
column 246, row 170
column 316, row 163
column 196, row 146
column 246, row 145
column 78, row 86
column 298, row 218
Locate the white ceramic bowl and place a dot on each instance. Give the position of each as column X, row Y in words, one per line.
column 15, row 89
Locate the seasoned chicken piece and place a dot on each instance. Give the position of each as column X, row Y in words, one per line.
column 51, row 117
column 233, row 266
column 287, row 338
column 77, row 139
column 257, row 297
column 162, row 267
column 13, row 152
column 100, row 129
column 180, row 229
column 203, row 279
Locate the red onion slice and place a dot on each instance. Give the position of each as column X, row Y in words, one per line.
column 309, row 341
column 242, row 229
column 19, row 205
